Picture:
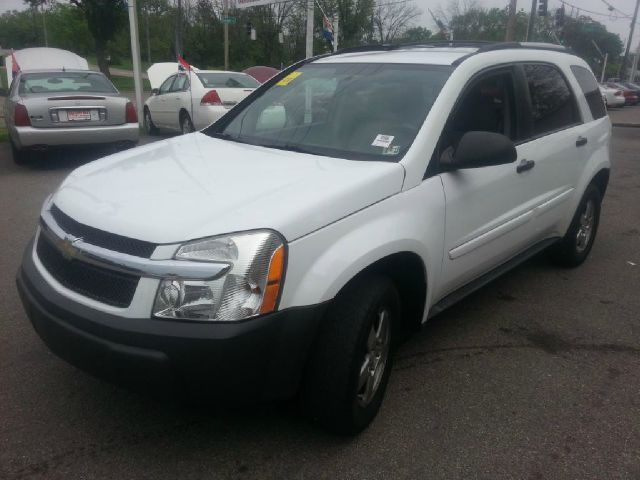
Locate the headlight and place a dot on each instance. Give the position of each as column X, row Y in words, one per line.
column 250, row 287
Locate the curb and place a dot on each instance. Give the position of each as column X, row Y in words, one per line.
column 629, row 125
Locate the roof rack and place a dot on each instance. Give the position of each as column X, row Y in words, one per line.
column 482, row 46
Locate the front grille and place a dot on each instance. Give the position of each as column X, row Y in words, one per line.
column 106, row 286
column 100, row 238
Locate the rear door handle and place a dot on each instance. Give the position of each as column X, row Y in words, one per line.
column 525, row 165
column 581, row 141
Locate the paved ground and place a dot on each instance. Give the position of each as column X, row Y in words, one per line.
column 625, row 116
column 533, row 377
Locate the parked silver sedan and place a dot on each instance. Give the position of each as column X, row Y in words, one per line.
column 60, row 108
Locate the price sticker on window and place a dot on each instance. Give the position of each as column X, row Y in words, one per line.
column 383, row 141
column 288, row 79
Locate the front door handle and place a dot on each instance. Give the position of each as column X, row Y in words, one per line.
column 525, row 165
column 581, row 141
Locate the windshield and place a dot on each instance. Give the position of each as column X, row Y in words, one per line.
column 227, row 80
column 359, row 111
column 57, row 82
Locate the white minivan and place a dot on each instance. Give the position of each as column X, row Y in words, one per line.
column 284, row 249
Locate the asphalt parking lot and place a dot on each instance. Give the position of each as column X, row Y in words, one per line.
column 536, row 376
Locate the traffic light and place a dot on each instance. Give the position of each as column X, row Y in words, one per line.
column 542, row 8
column 248, row 27
column 560, row 16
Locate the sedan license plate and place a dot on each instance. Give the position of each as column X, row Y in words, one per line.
column 78, row 115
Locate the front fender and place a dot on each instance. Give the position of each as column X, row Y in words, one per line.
column 324, row 261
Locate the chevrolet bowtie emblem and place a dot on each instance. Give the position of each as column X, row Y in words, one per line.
column 67, row 247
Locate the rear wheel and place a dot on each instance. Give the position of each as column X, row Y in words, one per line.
column 149, row 126
column 186, row 125
column 575, row 246
column 351, row 362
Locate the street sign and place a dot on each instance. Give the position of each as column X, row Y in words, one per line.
column 229, row 20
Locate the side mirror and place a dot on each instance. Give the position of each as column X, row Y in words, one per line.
column 480, row 149
column 155, row 91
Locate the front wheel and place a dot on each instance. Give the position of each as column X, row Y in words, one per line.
column 575, row 246
column 351, row 362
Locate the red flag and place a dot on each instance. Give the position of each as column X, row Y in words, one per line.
column 183, row 63
column 15, row 68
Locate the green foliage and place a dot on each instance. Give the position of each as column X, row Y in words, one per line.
column 3, row 79
column 125, row 84
column 4, row 135
column 105, row 18
column 415, row 35
column 579, row 34
column 486, row 24
column 21, row 29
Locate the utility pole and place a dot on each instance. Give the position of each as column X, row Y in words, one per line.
column 336, row 24
column 226, row 33
column 626, row 50
column 135, row 53
column 309, row 47
column 179, row 30
column 511, row 21
column 532, row 15
column 44, row 25
column 634, row 68
column 604, row 58
column 146, row 17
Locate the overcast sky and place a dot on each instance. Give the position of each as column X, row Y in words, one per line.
column 602, row 14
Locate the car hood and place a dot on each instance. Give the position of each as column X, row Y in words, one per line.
column 195, row 186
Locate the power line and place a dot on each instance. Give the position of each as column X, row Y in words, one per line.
column 611, row 8
column 594, row 13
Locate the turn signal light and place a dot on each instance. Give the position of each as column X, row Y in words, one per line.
column 21, row 116
column 274, row 281
column 211, row 98
column 130, row 113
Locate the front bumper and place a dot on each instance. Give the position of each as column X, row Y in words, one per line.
column 258, row 359
column 25, row 137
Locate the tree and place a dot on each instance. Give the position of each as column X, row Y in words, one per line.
column 416, row 35
column 580, row 33
column 390, row 19
column 105, row 19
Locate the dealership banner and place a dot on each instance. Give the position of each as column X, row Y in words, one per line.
column 252, row 3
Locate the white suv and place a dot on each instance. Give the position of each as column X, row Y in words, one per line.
column 283, row 249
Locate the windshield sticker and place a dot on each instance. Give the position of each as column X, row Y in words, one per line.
column 288, row 79
column 383, row 140
column 393, row 150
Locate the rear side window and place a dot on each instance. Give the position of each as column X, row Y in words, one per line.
column 589, row 87
column 552, row 104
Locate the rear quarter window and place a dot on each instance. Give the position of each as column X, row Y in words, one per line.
column 553, row 106
column 589, row 87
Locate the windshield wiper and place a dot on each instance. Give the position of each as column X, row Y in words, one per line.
column 289, row 148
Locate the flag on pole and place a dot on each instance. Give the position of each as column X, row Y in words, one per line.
column 15, row 68
column 327, row 29
column 183, row 63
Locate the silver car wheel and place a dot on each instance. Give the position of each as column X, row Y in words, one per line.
column 187, row 126
column 375, row 358
column 147, row 121
column 585, row 228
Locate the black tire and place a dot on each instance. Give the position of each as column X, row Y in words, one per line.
column 20, row 157
column 186, row 125
column 149, row 126
column 331, row 393
column 575, row 246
